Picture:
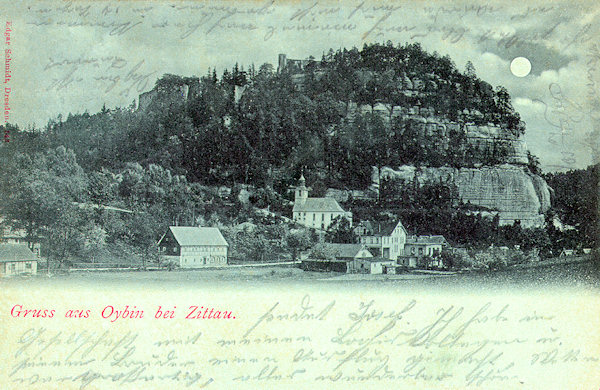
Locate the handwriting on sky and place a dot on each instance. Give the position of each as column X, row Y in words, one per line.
column 318, row 342
column 268, row 19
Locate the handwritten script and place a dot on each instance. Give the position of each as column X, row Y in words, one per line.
column 487, row 345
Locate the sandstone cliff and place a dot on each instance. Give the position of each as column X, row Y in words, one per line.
column 511, row 191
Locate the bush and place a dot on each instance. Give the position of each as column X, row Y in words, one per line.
column 456, row 260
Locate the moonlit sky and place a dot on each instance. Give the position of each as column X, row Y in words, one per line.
column 71, row 57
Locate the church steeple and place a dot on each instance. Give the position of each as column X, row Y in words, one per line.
column 301, row 192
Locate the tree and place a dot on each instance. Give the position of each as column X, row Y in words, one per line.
column 143, row 234
column 456, row 260
column 322, row 252
column 94, row 241
column 492, row 259
column 64, row 238
column 470, row 70
column 533, row 163
column 298, row 240
column 340, row 231
column 425, row 262
column 42, row 197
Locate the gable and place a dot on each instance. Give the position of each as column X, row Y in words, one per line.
column 399, row 229
column 168, row 239
column 383, row 229
column 363, row 253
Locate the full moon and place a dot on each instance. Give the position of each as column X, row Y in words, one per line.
column 520, row 66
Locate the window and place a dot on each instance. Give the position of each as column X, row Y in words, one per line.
column 314, row 216
column 27, row 265
column 322, row 217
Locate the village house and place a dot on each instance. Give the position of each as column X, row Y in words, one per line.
column 17, row 259
column 419, row 247
column 373, row 265
column 9, row 235
column 385, row 239
column 193, row 247
column 316, row 213
column 567, row 252
column 336, row 257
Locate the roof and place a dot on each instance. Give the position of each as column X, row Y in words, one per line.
column 377, row 259
column 344, row 250
column 426, row 240
column 318, row 205
column 16, row 252
column 192, row 235
column 365, row 224
column 384, row 228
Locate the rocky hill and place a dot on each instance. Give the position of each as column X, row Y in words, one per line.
column 455, row 128
column 509, row 190
column 383, row 105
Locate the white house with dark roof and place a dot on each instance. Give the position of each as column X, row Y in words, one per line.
column 9, row 235
column 317, row 213
column 17, row 259
column 193, row 247
column 417, row 247
column 385, row 239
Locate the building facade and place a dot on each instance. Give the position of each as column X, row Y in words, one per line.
column 372, row 265
column 419, row 247
column 17, row 259
column 193, row 247
column 385, row 239
column 316, row 213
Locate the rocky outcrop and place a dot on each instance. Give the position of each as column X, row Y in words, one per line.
column 511, row 191
column 481, row 139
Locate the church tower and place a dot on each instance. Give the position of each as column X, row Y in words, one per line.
column 301, row 192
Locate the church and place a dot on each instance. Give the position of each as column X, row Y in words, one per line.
column 317, row 213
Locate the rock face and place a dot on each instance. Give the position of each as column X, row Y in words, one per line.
column 509, row 190
column 481, row 139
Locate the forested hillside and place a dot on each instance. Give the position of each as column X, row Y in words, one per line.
column 163, row 161
column 280, row 124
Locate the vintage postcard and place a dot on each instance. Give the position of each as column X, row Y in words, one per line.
column 300, row 194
